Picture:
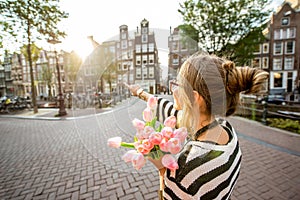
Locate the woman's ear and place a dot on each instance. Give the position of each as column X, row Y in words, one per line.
column 199, row 100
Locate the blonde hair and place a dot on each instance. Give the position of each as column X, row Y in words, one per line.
column 219, row 82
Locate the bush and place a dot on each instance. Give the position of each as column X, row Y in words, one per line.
column 286, row 124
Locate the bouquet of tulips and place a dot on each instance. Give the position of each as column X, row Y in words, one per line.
column 151, row 140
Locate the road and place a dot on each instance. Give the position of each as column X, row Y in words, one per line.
column 69, row 159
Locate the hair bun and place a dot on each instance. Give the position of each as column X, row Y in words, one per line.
column 228, row 65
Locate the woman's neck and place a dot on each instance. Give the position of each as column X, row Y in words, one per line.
column 204, row 121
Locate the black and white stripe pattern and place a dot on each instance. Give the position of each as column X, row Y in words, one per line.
column 206, row 170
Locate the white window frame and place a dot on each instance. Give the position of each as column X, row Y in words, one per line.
column 151, row 58
column 138, row 60
column 144, row 38
column 151, row 47
column 289, row 63
column 281, row 48
column 151, row 72
column 138, row 48
column 138, row 72
column 145, row 60
column 144, row 48
column 277, row 64
column 291, row 32
column 287, row 19
column 293, row 50
column 265, row 46
column 277, row 34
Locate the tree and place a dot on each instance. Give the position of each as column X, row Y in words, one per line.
column 29, row 21
column 223, row 23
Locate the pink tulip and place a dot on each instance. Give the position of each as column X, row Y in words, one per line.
column 140, row 134
column 138, row 124
column 155, row 138
column 167, row 132
column 127, row 157
column 169, row 162
column 114, row 142
column 181, row 133
column 147, row 144
column 152, row 102
column 174, row 145
column 164, row 145
column 148, row 130
column 138, row 161
column 170, row 121
column 141, row 149
column 148, row 115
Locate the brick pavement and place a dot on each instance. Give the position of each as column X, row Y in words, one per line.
column 68, row 159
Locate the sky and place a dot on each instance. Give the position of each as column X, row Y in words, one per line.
column 102, row 18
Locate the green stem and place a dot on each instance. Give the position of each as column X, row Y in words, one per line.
column 127, row 145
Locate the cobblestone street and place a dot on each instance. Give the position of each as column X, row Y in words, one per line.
column 69, row 159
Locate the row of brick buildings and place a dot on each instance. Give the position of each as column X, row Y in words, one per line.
column 133, row 57
column 280, row 53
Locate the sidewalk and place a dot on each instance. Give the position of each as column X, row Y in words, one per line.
column 57, row 160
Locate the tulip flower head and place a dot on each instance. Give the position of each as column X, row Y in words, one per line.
column 151, row 141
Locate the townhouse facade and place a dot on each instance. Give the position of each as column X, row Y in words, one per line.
column 15, row 78
column 280, row 53
column 180, row 48
column 132, row 58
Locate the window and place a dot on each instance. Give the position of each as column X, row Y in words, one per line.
column 144, row 59
column 283, row 34
column 175, row 59
column 285, row 21
column 144, row 38
column 151, row 47
column 138, row 60
column 256, row 63
column 124, row 44
column 151, row 72
column 123, row 35
column 144, row 72
column 288, row 63
column 151, row 59
column 138, row 73
column 119, row 67
column 277, row 48
column 138, row 48
column 265, row 48
column 277, row 64
column 277, row 79
column 291, row 33
column 265, row 63
column 144, row 48
column 277, row 34
column 289, row 47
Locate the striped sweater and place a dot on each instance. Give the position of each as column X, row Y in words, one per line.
column 206, row 170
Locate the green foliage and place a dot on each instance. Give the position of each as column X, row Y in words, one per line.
column 31, row 20
column 225, row 23
column 285, row 124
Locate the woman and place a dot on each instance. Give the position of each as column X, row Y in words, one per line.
column 207, row 88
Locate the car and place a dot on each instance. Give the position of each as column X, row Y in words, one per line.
column 274, row 99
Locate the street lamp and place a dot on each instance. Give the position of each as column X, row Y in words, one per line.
column 62, row 110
